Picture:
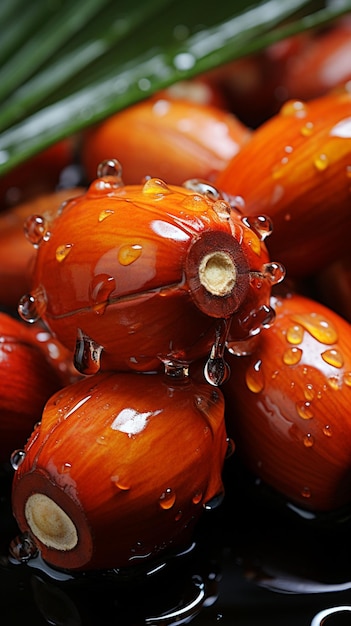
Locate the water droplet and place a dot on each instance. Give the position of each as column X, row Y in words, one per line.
column 178, row 516
column 36, row 229
column 23, row 548
column 203, row 187
column 167, row 499
column 216, row 370
column 319, row 327
column 66, row 468
column 327, row 430
column 275, row 272
column 292, row 356
column 197, row 497
column 156, row 186
column 127, row 254
column 293, row 108
column 63, row 251
column 196, row 203
column 87, row 354
column 347, row 379
column 223, row 209
column 254, row 377
column 307, row 129
column 304, row 410
column 178, row 370
column 334, row 382
column 121, row 484
column 110, row 168
column 230, row 448
column 295, row 334
column 33, row 305
column 321, row 162
column 309, row 392
column 306, row 492
column 105, row 213
column 100, row 290
column 333, row 357
column 308, row 440
column 261, row 224
column 17, row 458
column 214, row 502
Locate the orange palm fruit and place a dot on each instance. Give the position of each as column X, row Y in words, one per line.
column 131, row 276
column 17, row 255
column 296, row 169
column 120, row 469
column 27, row 380
column 165, row 138
column 288, row 405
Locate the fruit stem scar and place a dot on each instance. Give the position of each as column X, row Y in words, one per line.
column 217, row 273
column 50, row 523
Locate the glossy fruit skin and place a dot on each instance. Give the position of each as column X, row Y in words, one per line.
column 17, row 255
column 118, row 275
column 288, row 405
column 27, row 380
column 132, row 459
column 165, row 138
column 301, row 181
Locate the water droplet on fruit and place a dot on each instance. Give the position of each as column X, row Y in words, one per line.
column 307, row 129
column 327, row 431
column 36, row 230
column 306, row 492
column 309, row 392
column 100, row 290
column 121, row 484
column 261, row 224
column 167, row 499
column 347, row 379
column 23, row 548
column 110, row 167
column 214, row 502
column 63, row 251
column 216, row 370
column 87, row 354
column 202, row 187
column 308, row 440
column 17, row 458
column 195, row 202
column 295, row 334
column 292, row 356
column 333, row 357
column 304, row 410
column 197, row 497
column 319, row 327
column 293, row 108
column 230, row 448
column 33, row 305
column 275, row 272
column 334, row 382
column 129, row 253
column 223, row 209
column 321, row 162
column 155, row 186
column 105, row 213
column 254, row 377
column 177, row 370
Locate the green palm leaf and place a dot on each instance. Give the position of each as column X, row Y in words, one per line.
column 67, row 65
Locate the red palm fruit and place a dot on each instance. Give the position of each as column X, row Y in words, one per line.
column 288, row 405
column 322, row 65
column 27, row 380
column 38, row 175
column 301, row 179
column 165, row 138
column 17, row 255
column 130, row 276
column 120, row 469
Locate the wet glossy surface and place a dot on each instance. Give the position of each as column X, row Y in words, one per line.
column 256, row 563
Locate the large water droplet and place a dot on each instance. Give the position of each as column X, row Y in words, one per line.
column 156, row 186
column 36, row 229
column 292, row 356
column 214, row 502
column 304, row 410
column 33, row 305
column 216, row 370
column 294, row 108
column 17, row 458
column 129, row 253
column 110, row 167
column 23, row 548
column 333, row 357
column 261, row 224
column 203, row 187
column 254, row 377
column 318, row 326
column 177, row 370
column 295, row 334
column 275, row 272
column 167, row 499
column 100, row 290
column 87, row 354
